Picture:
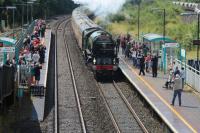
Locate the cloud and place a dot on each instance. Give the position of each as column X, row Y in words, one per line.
column 102, row 7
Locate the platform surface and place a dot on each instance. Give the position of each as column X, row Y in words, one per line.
column 39, row 102
column 183, row 119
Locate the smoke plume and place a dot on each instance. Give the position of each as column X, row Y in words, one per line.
column 102, row 7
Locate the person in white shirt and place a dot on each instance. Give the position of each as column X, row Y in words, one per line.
column 182, row 74
column 36, row 57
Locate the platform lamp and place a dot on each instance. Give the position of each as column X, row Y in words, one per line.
column 13, row 8
column 23, row 4
column 31, row 2
column 164, row 34
column 138, row 3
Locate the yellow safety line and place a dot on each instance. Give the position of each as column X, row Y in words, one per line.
column 161, row 98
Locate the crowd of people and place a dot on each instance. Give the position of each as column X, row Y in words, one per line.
column 32, row 55
column 142, row 56
column 145, row 60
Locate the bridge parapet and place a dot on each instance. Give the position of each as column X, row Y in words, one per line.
column 189, row 6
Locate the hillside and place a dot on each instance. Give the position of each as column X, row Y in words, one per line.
column 151, row 21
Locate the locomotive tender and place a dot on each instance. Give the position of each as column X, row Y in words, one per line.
column 97, row 45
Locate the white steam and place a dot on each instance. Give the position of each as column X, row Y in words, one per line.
column 102, row 7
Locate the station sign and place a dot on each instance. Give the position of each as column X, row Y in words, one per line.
column 171, row 45
column 196, row 42
column 7, row 49
column 183, row 53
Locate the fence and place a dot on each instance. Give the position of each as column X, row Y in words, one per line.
column 7, row 75
column 192, row 75
column 24, row 75
column 19, row 43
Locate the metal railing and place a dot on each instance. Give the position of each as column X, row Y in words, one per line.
column 24, row 75
column 19, row 43
column 192, row 75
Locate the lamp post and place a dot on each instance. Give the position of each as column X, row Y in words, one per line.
column 164, row 21
column 164, row 34
column 13, row 9
column 138, row 3
column 22, row 13
column 31, row 2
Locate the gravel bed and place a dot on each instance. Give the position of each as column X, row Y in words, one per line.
column 124, row 118
column 152, row 124
column 94, row 111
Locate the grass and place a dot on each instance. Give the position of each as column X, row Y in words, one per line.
column 191, row 54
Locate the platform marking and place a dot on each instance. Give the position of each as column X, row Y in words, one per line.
column 161, row 98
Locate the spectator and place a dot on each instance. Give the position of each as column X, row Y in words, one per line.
column 147, row 61
column 177, row 71
column 182, row 74
column 42, row 30
column 118, row 43
column 123, row 44
column 134, row 57
column 154, row 66
column 170, row 79
column 127, row 49
column 37, row 68
column 174, row 66
column 42, row 54
column 177, row 89
column 36, row 57
column 142, row 65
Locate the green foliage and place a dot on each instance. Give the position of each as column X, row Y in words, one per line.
column 117, row 18
column 151, row 21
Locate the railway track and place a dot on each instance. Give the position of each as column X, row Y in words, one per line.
column 121, row 112
column 68, row 114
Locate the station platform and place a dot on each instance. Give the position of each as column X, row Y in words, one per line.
column 39, row 101
column 182, row 119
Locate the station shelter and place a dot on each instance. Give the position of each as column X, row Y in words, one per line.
column 164, row 47
column 7, row 49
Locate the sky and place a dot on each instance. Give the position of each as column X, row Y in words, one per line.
column 102, row 7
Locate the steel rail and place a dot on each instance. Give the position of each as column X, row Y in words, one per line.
column 56, row 113
column 130, row 108
column 109, row 110
column 74, row 83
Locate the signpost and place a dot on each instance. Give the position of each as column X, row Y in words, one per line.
column 171, row 45
column 196, row 42
column 7, row 49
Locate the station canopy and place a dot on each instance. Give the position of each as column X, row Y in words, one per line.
column 151, row 37
column 7, row 41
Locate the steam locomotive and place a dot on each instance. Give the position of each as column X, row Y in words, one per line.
column 97, row 45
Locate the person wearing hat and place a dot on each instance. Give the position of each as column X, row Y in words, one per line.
column 177, row 89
